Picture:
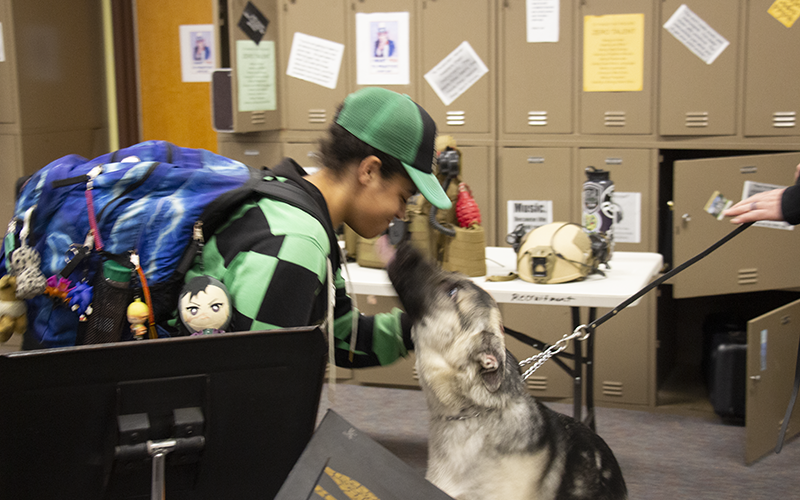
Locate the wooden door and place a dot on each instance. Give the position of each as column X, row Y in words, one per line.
column 171, row 110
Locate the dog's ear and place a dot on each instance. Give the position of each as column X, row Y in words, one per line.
column 491, row 369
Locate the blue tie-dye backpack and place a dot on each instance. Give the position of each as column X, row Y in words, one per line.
column 90, row 236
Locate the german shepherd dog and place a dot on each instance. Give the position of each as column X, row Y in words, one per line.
column 489, row 439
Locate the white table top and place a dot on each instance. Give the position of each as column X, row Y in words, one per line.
column 629, row 273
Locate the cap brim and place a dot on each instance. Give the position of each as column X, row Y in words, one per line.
column 430, row 188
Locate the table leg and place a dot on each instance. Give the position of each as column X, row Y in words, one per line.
column 577, row 369
column 590, row 372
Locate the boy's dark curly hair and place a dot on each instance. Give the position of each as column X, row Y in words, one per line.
column 339, row 147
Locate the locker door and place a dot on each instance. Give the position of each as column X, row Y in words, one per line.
column 228, row 14
column 478, row 171
column 540, row 174
column 696, row 98
column 624, row 354
column 445, row 25
column 624, row 112
column 537, row 82
column 757, row 259
column 546, row 324
column 385, row 6
column 772, row 341
column 634, row 172
column 309, row 106
column 771, row 99
column 8, row 73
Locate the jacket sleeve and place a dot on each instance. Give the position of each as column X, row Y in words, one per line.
column 790, row 204
column 381, row 339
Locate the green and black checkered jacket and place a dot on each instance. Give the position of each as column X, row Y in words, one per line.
column 272, row 257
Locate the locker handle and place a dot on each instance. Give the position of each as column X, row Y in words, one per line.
column 755, row 377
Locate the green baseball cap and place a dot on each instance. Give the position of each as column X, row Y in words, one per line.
column 396, row 125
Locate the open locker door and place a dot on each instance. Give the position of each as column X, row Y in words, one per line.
column 758, row 259
column 772, row 343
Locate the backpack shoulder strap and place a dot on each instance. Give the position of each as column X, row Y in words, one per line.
column 262, row 183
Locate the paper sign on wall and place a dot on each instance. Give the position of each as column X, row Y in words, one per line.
column 255, row 74
column 315, row 60
column 382, row 48
column 613, row 53
column 456, row 73
column 530, row 213
column 785, row 11
column 689, row 29
column 197, row 52
column 2, row 45
column 628, row 227
column 542, row 20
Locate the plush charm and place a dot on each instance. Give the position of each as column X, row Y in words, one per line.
column 25, row 263
column 204, row 306
column 57, row 287
column 467, row 210
column 138, row 312
column 80, row 300
column 12, row 310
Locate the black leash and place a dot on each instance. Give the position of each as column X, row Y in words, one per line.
column 594, row 324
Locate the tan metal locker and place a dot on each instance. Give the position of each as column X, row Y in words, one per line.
column 401, row 373
column 696, row 98
column 478, row 171
column 546, row 324
column 541, row 174
column 386, row 6
column 771, row 98
column 772, row 343
column 257, row 154
column 757, row 259
column 537, row 80
column 627, row 112
column 635, row 173
column 10, row 170
column 228, row 14
column 304, row 153
column 624, row 368
column 8, row 74
column 445, row 25
column 308, row 106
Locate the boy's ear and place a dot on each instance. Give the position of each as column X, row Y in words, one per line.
column 369, row 168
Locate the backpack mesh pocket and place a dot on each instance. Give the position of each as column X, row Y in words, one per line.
column 108, row 321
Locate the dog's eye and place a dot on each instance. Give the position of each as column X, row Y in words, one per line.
column 453, row 293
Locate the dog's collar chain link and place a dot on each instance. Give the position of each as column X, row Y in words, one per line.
column 580, row 333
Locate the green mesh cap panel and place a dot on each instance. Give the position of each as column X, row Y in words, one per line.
column 397, row 126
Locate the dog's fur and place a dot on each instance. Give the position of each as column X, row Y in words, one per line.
column 489, row 439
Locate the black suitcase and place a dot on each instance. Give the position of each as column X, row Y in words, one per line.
column 725, row 361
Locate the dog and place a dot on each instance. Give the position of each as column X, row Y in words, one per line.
column 489, row 439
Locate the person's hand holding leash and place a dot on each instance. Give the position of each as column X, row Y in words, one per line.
column 760, row 206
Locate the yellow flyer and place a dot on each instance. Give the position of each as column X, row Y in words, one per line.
column 785, row 11
column 613, row 53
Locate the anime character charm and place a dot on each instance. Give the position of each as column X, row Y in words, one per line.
column 204, row 306
column 138, row 312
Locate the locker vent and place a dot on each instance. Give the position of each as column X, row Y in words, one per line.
column 537, row 118
column 414, row 373
column 317, row 116
column 748, row 276
column 784, row 119
column 251, row 152
column 537, row 383
column 697, row 119
column 614, row 118
column 258, row 117
column 455, row 118
column 611, row 388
